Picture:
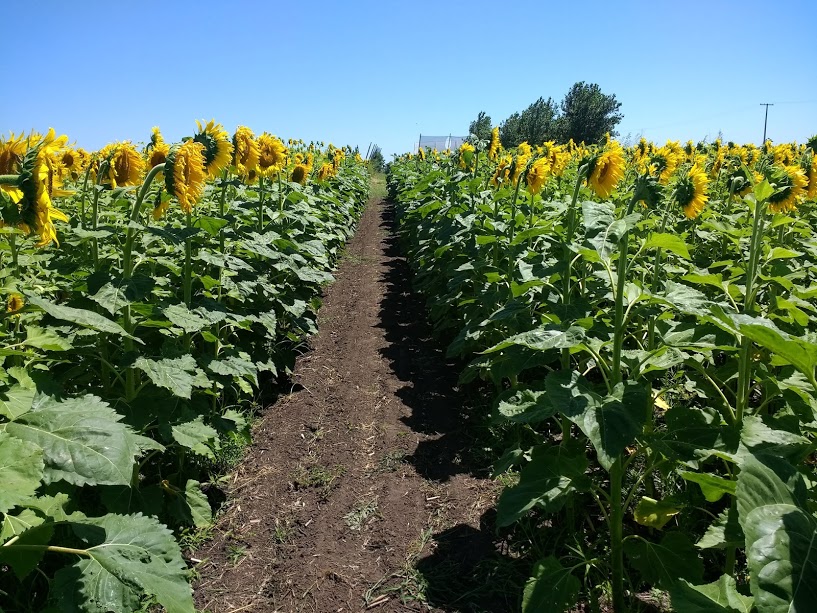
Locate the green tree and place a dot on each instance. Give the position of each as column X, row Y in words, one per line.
column 539, row 122
column 588, row 114
column 376, row 161
column 510, row 131
column 481, row 126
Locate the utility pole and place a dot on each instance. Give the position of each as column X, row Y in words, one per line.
column 766, row 119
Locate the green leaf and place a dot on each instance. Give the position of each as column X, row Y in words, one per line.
column 46, row 339
column 81, row 317
column 16, row 401
column 798, row 352
column 111, row 298
column 82, row 439
column 552, row 588
column 21, row 470
column 655, row 513
column 543, row 339
column 14, row 525
column 526, row 405
column 666, row 562
column 781, row 550
column 720, row 596
column 547, row 481
column 763, row 190
column 129, row 556
column 25, row 553
column 174, row 374
column 611, row 423
column 670, row 242
column 211, row 225
column 712, row 486
column 724, row 532
column 200, row 511
column 196, row 436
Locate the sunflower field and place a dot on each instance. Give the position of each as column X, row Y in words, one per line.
column 146, row 292
column 642, row 322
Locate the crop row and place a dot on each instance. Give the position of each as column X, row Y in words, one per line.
column 148, row 294
column 647, row 319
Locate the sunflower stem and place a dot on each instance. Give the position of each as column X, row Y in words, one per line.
column 127, row 271
column 280, row 193
column 188, row 263
column 260, row 204
column 83, row 197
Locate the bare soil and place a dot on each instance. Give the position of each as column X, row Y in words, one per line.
column 365, row 488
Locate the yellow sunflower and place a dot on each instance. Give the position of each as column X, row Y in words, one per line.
column 690, row 191
column 495, row 147
column 466, row 155
column 272, row 155
column 125, row 165
column 157, row 155
column 12, row 151
column 245, row 151
column 503, row 171
column 790, row 186
column 523, row 155
column 300, row 174
column 607, row 169
column 538, row 174
column 39, row 182
column 185, row 173
column 217, row 146
column 810, row 171
column 14, row 303
column 326, row 171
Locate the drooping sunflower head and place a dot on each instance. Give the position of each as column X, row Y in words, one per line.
column 809, row 166
column 300, row 173
column 495, row 146
column 789, row 184
column 523, row 154
column 39, row 182
column 605, row 169
column 538, row 174
column 157, row 155
column 690, row 191
column 245, row 150
column 185, row 173
column 327, row 170
column 11, row 154
column 812, row 144
column 272, row 154
column 73, row 162
column 14, row 303
column 502, row 172
column 217, row 146
column 156, row 138
column 466, row 156
column 124, row 165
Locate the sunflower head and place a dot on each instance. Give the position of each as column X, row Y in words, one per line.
column 157, row 155
column 216, row 145
column 537, row 174
column 690, row 191
column 124, row 165
column 300, row 174
column 605, row 169
column 185, row 173
column 327, row 170
column 789, row 184
column 14, row 303
column 39, row 181
column 245, row 150
column 466, row 155
column 812, row 144
column 495, row 146
column 156, row 138
column 272, row 154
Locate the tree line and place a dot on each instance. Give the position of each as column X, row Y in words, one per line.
column 585, row 114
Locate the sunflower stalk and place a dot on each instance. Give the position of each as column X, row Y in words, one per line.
column 127, row 272
column 260, row 204
column 104, row 165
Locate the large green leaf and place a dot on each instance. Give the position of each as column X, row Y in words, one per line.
column 16, row 401
column 670, row 242
column 82, row 439
column 81, row 317
column 724, row 532
column 543, row 339
column 720, row 596
column 21, row 470
column 175, row 374
column 25, row 553
column 781, row 550
column 655, row 513
column 547, row 481
column 46, row 339
column 529, row 404
column 666, row 562
column 712, row 486
column 611, row 423
column 128, row 556
column 781, row 535
column 196, row 436
column 552, row 587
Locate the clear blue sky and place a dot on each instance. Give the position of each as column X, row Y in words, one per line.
column 383, row 71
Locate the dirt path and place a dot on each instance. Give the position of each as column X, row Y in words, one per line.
column 361, row 490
